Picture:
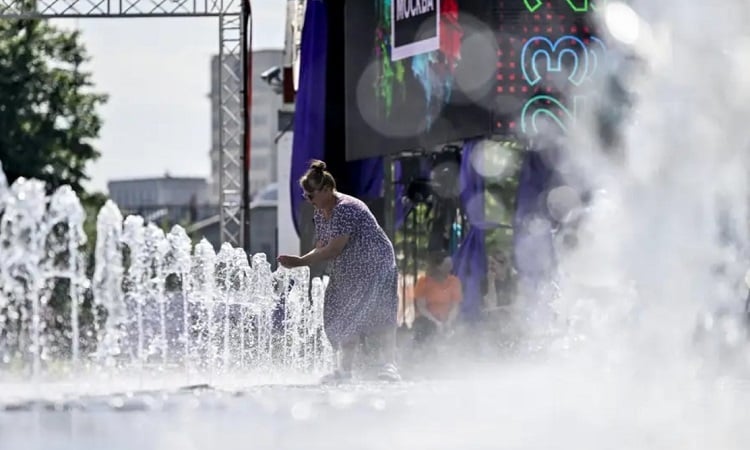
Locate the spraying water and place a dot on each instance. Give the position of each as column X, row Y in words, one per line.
column 107, row 283
column 159, row 306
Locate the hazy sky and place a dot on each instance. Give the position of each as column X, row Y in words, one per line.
column 156, row 72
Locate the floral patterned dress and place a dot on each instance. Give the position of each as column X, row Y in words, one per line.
column 361, row 296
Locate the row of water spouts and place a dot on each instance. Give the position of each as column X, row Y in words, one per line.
column 154, row 300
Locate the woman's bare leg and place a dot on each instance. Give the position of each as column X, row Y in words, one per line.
column 386, row 342
column 347, row 352
column 383, row 343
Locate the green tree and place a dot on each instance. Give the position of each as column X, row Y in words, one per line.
column 48, row 111
column 48, row 120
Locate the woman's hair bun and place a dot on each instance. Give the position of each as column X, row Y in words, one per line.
column 318, row 165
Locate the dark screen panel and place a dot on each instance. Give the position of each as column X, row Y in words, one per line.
column 548, row 53
column 536, row 70
column 419, row 101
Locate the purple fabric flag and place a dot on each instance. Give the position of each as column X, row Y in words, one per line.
column 470, row 261
column 365, row 178
column 310, row 112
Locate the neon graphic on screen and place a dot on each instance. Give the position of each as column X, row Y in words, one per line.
column 545, row 50
column 390, row 76
column 435, row 70
column 569, row 46
column 577, row 6
column 549, row 106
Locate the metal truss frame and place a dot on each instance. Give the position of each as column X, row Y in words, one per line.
column 232, row 61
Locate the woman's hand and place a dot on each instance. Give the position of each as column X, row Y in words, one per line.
column 289, row 261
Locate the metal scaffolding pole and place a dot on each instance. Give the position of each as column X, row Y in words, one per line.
column 230, row 133
column 247, row 102
column 55, row 9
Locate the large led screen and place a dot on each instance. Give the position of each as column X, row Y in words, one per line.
column 418, row 73
column 504, row 67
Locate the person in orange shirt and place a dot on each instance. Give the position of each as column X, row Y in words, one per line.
column 437, row 295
